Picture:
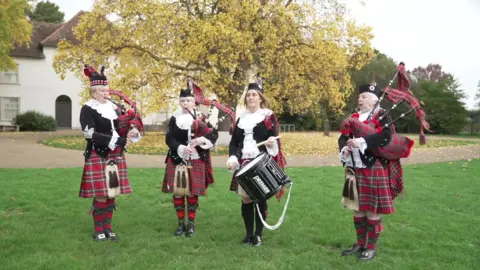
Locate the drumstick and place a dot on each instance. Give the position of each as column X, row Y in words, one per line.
column 264, row 142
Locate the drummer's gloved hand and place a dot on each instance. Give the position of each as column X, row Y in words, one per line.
column 232, row 163
column 270, row 142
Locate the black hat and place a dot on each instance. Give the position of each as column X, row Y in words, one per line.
column 186, row 93
column 95, row 77
column 255, row 86
column 370, row 88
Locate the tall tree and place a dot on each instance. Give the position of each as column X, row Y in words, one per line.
column 433, row 73
column 445, row 112
column 302, row 49
column 47, row 12
column 477, row 96
column 380, row 70
column 15, row 30
column 474, row 119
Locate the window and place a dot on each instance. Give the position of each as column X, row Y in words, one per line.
column 9, row 108
column 9, row 77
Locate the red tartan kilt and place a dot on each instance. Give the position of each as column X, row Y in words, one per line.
column 94, row 183
column 200, row 177
column 399, row 146
column 374, row 189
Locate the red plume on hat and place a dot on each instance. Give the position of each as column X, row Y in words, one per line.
column 89, row 71
column 94, row 76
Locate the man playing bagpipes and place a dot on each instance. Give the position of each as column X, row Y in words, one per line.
column 371, row 151
column 188, row 163
column 105, row 171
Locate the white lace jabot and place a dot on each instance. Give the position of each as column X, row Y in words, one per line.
column 106, row 110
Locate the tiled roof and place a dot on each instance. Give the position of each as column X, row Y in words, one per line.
column 64, row 32
column 47, row 34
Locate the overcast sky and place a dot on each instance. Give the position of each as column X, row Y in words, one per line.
column 417, row 32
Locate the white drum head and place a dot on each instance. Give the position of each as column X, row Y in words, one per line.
column 250, row 164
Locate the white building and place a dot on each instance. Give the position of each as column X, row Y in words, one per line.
column 34, row 85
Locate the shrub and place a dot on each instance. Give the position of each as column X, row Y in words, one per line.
column 35, row 121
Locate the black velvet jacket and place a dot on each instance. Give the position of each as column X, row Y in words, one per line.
column 102, row 134
column 260, row 134
column 176, row 136
column 373, row 141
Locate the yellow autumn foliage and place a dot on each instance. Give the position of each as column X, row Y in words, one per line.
column 304, row 50
column 15, row 30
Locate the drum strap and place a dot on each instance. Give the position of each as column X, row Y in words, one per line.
column 280, row 221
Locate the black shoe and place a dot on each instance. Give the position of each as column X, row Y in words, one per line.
column 353, row 250
column 180, row 229
column 190, row 230
column 368, row 254
column 248, row 240
column 99, row 236
column 111, row 235
column 257, row 241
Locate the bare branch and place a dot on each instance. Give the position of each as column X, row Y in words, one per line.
column 288, row 3
column 166, row 60
column 187, row 6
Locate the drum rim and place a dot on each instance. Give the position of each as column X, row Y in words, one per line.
column 260, row 156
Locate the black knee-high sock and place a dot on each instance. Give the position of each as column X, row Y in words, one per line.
column 247, row 214
column 258, row 223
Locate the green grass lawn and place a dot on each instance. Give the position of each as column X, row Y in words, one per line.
column 45, row 225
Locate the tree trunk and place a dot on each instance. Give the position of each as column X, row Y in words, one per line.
column 225, row 124
column 326, row 127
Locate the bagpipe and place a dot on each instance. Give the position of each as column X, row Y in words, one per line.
column 198, row 127
column 201, row 127
column 129, row 118
column 399, row 146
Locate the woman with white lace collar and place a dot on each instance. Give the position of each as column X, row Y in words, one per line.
column 370, row 173
column 188, row 170
column 257, row 124
column 105, row 170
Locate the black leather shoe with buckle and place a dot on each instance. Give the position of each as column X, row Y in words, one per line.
column 248, row 240
column 111, row 235
column 368, row 254
column 353, row 250
column 257, row 241
column 180, row 229
column 190, row 230
column 99, row 236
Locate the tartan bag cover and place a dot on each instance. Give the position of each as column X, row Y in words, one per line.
column 399, row 146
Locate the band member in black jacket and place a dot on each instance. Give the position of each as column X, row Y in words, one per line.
column 189, row 170
column 257, row 124
column 370, row 172
column 105, row 171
